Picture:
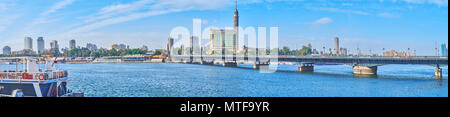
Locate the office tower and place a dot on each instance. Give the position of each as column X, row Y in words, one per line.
column 169, row 45
column 91, row 46
column 144, row 48
column 54, row 45
column 40, row 45
column 72, row 44
column 6, row 50
column 28, row 43
column 113, row 46
column 336, row 45
column 446, row 50
column 343, row 51
column 194, row 44
column 223, row 41
column 309, row 45
column 123, row 46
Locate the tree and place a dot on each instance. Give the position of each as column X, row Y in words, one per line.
column 285, row 51
column 305, row 51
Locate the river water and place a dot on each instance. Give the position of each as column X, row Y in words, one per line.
column 188, row 80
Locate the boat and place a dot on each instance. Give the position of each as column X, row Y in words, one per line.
column 34, row 81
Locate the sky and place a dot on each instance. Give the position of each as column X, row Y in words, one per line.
column 370, row 25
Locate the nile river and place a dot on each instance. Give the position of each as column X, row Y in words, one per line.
column 188, row 80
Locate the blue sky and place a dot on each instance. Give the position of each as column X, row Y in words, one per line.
column 367, row 24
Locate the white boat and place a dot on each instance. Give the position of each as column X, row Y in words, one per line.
column 32, row 81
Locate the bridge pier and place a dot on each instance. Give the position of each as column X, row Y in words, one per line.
column 187, row 62
column 206, row 63
column 306, row 67
column 229, row 64
column 260, row 65
column 438, row 72
column 365, row 70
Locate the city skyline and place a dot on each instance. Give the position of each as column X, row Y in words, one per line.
column 424, row 22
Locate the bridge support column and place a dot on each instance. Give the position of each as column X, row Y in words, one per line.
column 438, row 72
column 187, row 62
column 306, row 67
column 260, row 65
column 365, row 70
column 229, row 64
column 206, row 63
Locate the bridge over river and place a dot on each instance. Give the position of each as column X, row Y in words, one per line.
column 361, row 65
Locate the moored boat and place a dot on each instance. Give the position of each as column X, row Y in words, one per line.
column 34, row 81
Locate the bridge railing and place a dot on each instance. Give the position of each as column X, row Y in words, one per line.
column 433, row 60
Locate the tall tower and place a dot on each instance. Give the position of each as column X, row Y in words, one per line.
column 72, row 44
column 169, row 46
column 28, row 43
column 236, row 28
column 236, row 18
column 40, row 45
column 336, row 45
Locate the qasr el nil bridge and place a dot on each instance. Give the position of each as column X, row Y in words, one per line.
column 361, row 65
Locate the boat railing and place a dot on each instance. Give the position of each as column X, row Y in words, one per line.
column 32, row 76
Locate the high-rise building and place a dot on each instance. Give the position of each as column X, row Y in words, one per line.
column 118, row 47
column 395, row 53
column 169, row 45
column 343, row 51
column 72, row 44
column 91, row 46
column 123, row 46
column 54, row 45
column 336, row 45
column 194, row 43
column 223, row 41
column 40, row 45
column 144, row 48
column 6, row 50
column 113, row 46
column 309, row 45
column 444, row 50
column 28, row 41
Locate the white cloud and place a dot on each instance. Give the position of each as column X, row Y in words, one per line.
column 6, row 18
column 340, row 10
column 121, row 19
column 437, row 2
column 3, row 6
column 321, row 21
column 120, row 13
column 6, row 21
column 118, row 9
column 57, row 6
column 388, row 15
column 54, row 8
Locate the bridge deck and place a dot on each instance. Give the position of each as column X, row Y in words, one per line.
column 326, row 59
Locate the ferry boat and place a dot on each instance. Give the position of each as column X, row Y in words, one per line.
column 32, row 81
